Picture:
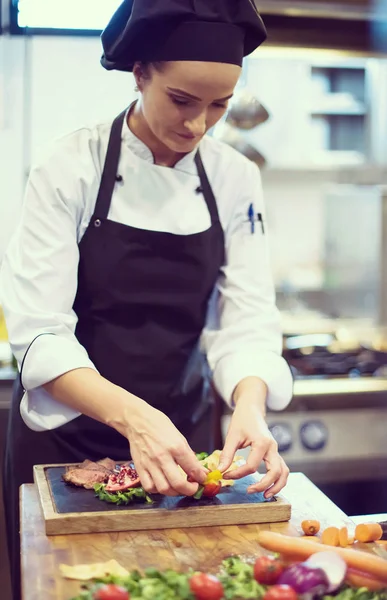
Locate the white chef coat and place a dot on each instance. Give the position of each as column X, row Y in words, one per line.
column 38, row 281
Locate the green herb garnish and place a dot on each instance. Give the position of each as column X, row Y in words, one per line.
column 125, row 497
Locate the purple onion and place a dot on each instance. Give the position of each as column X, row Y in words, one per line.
column 308, row 582
column 334, row 567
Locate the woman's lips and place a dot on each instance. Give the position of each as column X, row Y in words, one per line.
column 187, row 136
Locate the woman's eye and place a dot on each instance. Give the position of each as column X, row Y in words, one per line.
column 220, row 105
column 179, row 101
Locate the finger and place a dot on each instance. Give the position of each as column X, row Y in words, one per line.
column 231, row 445
column 253, row 462
column 161, row 482
column 177, row 481
column 147, row 482
column 186, row 458
column 280, row 484
column 274, row 470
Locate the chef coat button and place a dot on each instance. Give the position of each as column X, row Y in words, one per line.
column 119, row 178
column 97, row 223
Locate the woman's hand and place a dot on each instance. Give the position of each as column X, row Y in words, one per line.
column 249, row 428
column 158, row 449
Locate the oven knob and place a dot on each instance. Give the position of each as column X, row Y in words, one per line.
column 282, row 434
column 314, row 435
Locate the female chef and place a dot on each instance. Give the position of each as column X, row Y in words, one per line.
column 138, row 253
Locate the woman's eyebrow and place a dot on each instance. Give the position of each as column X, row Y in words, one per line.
column 191, row 97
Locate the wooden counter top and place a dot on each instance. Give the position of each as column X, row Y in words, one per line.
column 203, row 547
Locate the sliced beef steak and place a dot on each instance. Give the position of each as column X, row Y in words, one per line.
column 88, row 473
column 108, row 463
column 86, row 478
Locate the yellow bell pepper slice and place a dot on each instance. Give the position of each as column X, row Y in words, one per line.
column 213, row 476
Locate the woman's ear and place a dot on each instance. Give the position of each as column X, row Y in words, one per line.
column 139, row 76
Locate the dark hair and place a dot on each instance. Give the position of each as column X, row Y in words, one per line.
column 146, row 66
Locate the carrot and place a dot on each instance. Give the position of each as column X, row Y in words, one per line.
column 330, row 536
column 302, row 549
column 312, row 538
column 359, row 579
column 368, row 532
column 343, row 537
column 310, row 527
column 351, row 540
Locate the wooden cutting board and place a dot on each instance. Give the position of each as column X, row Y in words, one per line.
column 68, row 509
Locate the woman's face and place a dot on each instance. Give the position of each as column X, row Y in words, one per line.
column 183, row 100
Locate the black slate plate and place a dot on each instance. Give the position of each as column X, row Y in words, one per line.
column 71, row 499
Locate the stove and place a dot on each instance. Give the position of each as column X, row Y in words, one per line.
column 335, row 428
column 328, row 360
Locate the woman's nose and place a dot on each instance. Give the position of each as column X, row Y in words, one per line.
column 197, row 126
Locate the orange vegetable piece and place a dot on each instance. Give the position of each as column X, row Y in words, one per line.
column 295, row 548
column 368, row 532
column 310, row 527
column 351, row 540
column 312, row 538
column 360, row 579
column 343, row 537
column 330, row 536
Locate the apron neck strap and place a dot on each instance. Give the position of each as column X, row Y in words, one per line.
column 207, row 189
column 109, row 174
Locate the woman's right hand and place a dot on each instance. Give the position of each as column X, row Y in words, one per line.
column 158, row 449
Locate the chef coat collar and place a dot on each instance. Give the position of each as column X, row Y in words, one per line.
column 141, row 150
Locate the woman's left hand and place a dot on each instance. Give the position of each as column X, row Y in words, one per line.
column 249, row 428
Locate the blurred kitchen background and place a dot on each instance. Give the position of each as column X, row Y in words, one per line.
column 311, row 110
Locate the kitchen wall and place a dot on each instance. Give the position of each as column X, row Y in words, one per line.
column 51, row 85
column 48, row 87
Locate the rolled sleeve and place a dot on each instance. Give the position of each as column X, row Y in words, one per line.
column 50, row 356
column 269, row 367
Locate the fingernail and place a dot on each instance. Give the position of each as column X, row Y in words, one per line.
column 268, row 496
column 221, row 467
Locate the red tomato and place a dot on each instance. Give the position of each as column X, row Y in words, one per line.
column 111, row 591
column 206, row 587
column 280, row 592
column 267, row 569
column 212, row 489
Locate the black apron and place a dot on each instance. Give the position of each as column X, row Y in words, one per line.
column 141, row 303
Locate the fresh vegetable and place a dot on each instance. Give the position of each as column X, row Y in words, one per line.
column 206, row 587
column 303, row 549
column 362, row 580
column 201, row 455
column 126, row 497
column 213, row 476
column 308, row 581
column 330, row 536
column 333, row 565
column 237, row 577
column 280, row 592
column 368, row 532
column 126, row 478
column 343, row 537
column 111, row 591
column 310, row 527
column 267, row 569
column 212, row 489
column 312, row 538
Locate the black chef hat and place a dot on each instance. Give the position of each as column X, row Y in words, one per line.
column 166, row 30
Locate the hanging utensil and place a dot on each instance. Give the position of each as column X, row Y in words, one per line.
column 245, row 111
column 233, row 138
